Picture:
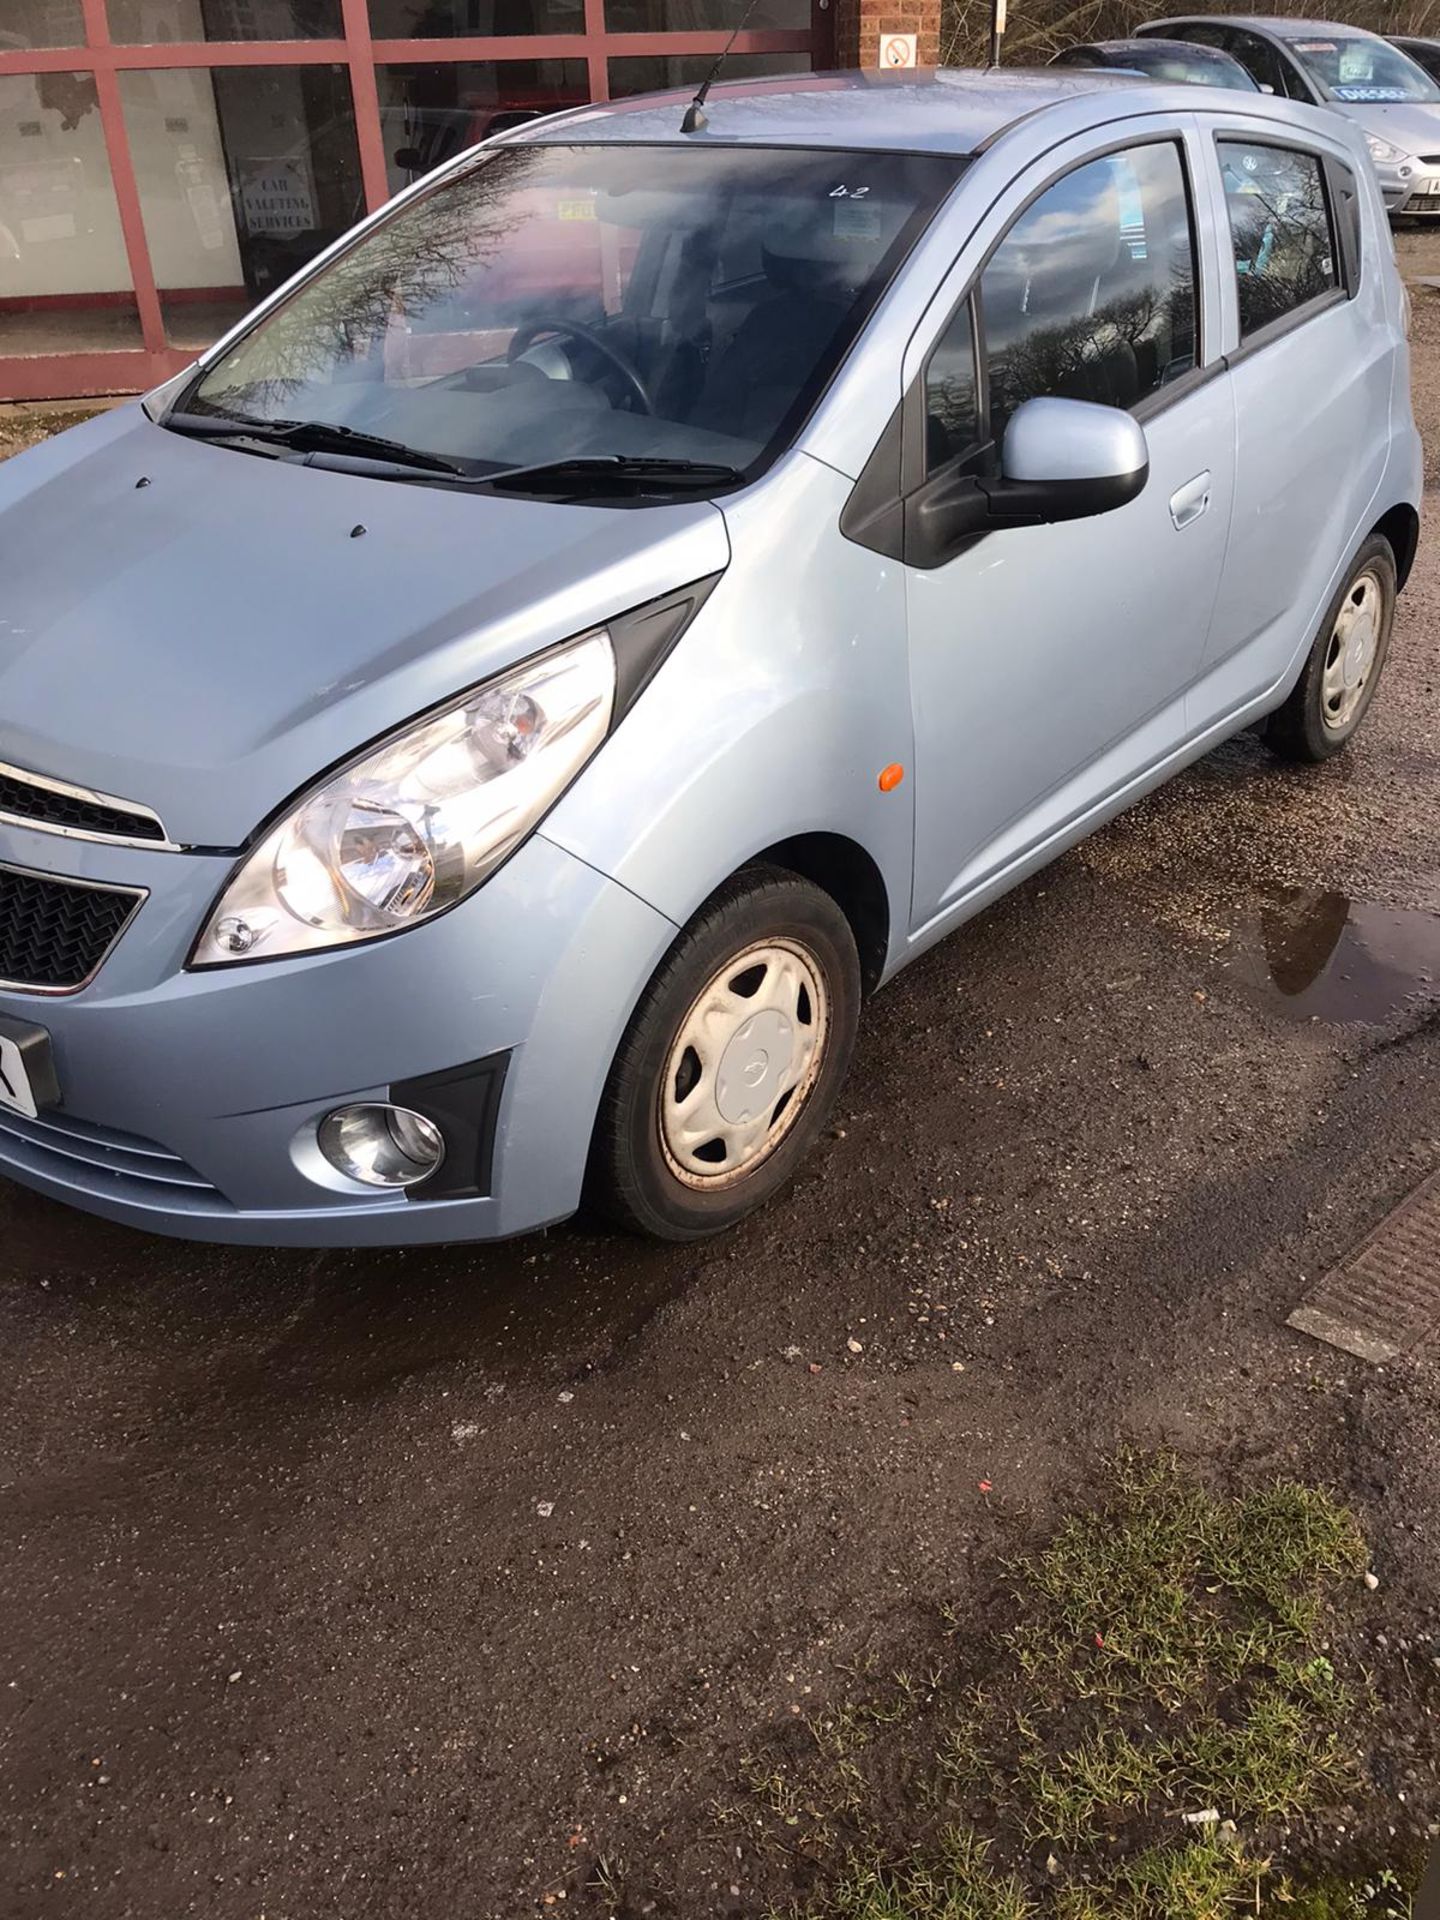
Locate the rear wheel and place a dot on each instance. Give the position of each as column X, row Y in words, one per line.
column 732, row 1062
column 1334, row 692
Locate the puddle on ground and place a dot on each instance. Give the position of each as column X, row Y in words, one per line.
column 1322, row 956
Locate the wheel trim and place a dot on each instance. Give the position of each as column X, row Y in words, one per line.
column 1351, row 653
column 743, row 1064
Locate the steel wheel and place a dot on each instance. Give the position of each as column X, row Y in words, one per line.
column 743, row 1063
column 1350, row 656
column 1342, row 670
column 732, row 1061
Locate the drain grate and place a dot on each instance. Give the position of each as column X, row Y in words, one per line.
column 1385, row 1297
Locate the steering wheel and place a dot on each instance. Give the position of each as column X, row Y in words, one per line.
column 525, row 337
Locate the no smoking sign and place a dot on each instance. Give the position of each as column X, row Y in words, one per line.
column 897, row 49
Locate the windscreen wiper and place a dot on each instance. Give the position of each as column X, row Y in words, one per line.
column 583, row 472
column 308, row 436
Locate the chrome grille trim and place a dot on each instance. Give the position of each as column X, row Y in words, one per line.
column 89, row 796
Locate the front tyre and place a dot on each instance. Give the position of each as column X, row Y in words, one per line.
column 732, row 1062
column 1334, row 692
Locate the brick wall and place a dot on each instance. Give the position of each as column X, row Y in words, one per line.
column 860, row 23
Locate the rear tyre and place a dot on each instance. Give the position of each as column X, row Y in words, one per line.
column 732, row 1061
column 1333, row 694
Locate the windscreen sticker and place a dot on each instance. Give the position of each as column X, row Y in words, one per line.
column 1359, row 94
column 575, row 210
column 857, row 220
column 1314, row 46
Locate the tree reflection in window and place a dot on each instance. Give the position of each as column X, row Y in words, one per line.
column 1091, row 295
column 952, row 420
column 1280, row 227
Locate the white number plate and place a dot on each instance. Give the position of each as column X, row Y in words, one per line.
column 15, row 1091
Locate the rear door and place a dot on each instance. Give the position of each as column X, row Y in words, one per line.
column 1312, row 355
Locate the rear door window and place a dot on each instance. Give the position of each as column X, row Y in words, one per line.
column 1281, row 231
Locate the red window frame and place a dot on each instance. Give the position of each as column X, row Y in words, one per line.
column 66, row 375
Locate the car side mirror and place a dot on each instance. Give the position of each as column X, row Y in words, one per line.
column 1061, row 460
column 1067, row 460
column 1265, row 86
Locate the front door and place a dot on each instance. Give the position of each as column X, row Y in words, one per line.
column 1049, row 664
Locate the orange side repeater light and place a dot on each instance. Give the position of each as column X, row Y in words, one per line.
column 891, row 776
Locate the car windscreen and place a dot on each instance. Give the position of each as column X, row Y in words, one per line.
column 556, row 303
column 1356, row 70
column 1193, row 67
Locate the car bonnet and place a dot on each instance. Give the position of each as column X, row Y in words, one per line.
column 203, row 632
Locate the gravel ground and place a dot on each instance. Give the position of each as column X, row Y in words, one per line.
column 21, row 425
column 373, row 1585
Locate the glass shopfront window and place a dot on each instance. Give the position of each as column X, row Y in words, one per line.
column 654, row 73
column 450, row 19
column 65, row 281
column 245, row 174
column 41, row 23
column 429, row 114
column 704, row 16
column 155, row 22
column 152, row 192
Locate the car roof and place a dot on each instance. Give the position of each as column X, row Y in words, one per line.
column 1151, row 40
column 1279, row 27
column 926, row 110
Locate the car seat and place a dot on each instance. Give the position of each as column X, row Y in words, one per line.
column 815, row 266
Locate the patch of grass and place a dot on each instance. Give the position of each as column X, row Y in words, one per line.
column 1164, row 1656
column 958, row 1885
column 1181, row 1589
column 1205, row 1880
column 1075, row 1795
column 1383, row 1896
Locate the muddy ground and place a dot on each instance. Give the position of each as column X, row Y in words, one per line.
column 356, row 1585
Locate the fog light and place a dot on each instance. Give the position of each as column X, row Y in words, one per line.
column 381, row 1146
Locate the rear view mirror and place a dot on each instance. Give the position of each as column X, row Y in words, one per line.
column 1067, row 460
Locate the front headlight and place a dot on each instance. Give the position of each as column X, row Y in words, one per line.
column 1382, row 153
column 417, row 823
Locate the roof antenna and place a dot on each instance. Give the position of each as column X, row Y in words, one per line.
column 696, row 119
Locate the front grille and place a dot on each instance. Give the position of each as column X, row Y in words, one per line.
column 47, row 803
column 55, row 933
column 103, row 1162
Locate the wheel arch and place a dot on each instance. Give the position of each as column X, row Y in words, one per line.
column 850, row 875
column 1400, row 525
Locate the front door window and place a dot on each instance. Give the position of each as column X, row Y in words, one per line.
column 1091, row 295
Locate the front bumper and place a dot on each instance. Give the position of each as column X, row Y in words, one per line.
column 188, row 1100
column 1412, row 189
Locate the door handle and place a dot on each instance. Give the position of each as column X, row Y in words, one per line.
column 1187, row 503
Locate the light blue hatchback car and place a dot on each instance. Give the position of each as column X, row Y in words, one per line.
column 523, row 689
